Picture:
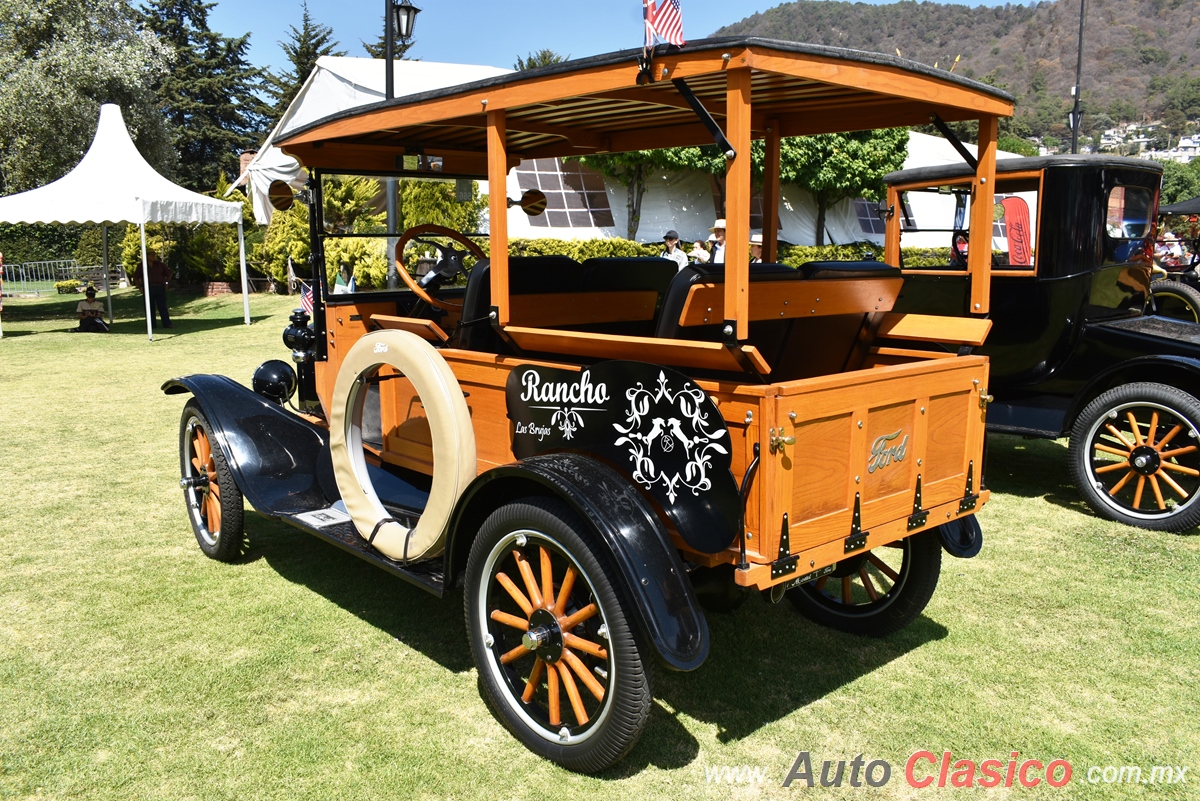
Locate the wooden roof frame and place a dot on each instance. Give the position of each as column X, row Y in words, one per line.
column 753, row 88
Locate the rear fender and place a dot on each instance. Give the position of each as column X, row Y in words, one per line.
column 1181, row 372
column 622, row 521
column 274, row 455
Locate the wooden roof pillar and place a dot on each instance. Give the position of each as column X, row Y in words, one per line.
column 770, row 207
column 737, row 202
column 497, row 156
column 983, row 200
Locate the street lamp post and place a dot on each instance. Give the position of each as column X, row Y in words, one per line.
column 1077, row 112
column 398, row 19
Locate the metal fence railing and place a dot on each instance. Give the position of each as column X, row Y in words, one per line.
column 39, row 277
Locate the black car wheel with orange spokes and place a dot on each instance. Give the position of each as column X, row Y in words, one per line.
column 1135, row 455
column 875, row 593
column 214, row 501
column 558, row 660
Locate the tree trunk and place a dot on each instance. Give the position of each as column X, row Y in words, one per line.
column 820, row 198
column 637, row 188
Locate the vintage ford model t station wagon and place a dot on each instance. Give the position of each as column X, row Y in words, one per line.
column 578, row 444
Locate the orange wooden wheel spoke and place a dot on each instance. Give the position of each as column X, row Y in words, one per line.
column 1137, row 493
column 867, row 585
column 572, row 694
column 1177, row 452
column 514, row 654
column 564, row 592
column 1162, row 505
column 1107, row 449
column 531, row 586
column 1114, row 466
column 883, row 567
column 547, row 578
column 1121, row 483
column 1137, row 433
column 587, row 646
column 515, row 593
column 1153, row 428
column 568, row 623
column 535, row 677
column 821, row 582
column 846, row 597
column 202, row 447
column 1171, row 483
column 1162, row 443
column 589, row 681
column 510, row 620
column 1178, row 468
column 199, row 465
column 214, row 514
column 552, row 693
column 1113, row 430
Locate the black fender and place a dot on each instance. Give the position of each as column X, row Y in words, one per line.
column 962, row 538
column 274, row 455
column 1156, row 368
column 623, row 522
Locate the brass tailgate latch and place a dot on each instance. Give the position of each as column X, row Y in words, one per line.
column 776, row 440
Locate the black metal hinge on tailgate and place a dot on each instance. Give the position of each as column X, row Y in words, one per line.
column 858, row 537
column 786, row 563
column 919, row 515
column 969, row 497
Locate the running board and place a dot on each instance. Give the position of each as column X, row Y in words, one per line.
column 426, row 574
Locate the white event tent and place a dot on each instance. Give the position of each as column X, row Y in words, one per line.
column 112, row 184
column 338, row 83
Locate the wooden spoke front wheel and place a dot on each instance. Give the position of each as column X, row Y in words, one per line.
column 877, row 592
column 556, row 656
column 1135, row 453
column 214, row 501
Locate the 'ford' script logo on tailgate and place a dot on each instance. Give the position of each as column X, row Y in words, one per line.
column 883, row 453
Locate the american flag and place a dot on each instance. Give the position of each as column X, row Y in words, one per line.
column 667, row 22
column 306, row 297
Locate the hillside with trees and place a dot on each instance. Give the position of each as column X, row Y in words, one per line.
column 1141, row 58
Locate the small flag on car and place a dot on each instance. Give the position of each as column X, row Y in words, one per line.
column 666, row 22
column 306, row 297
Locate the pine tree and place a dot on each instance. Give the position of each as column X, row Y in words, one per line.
column 542, row 58
column 303, row 47
column 210, row 95
column 379, row 48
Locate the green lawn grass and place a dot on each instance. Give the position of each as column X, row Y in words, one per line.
column 133, row 667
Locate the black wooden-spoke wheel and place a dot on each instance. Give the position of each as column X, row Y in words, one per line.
column 214, row 501
column 557, row 659
column 875, row 593
column 1176, row 300
column 1136, row 457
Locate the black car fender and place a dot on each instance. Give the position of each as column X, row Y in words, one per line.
column 1160, row 369
column 626, row 525
column 273, row 454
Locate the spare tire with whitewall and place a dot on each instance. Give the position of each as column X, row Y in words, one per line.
column 450, row 429
column 1135, row 456
column 560, row 662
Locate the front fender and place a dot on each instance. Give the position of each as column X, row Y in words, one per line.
column 623, row 522
column 1156, row 368
column 274, row 455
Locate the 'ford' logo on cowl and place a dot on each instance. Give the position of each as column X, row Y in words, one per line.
column 885, row 450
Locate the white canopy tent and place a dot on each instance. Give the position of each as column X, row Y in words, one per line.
column 336, row 84
column 113, row 183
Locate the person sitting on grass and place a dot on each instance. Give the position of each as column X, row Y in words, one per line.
column 91, row 314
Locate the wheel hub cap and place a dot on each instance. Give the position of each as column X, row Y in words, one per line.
column 1145, row 460
column 544, row 636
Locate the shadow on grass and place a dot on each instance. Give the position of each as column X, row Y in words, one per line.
column 413, row 616
column 766, row 661
column 188, row 314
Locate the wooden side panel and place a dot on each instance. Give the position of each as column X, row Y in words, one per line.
column 582, row 308
column 820, row 474
column 775, row 300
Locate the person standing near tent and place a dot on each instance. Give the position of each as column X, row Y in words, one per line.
column 159, row 276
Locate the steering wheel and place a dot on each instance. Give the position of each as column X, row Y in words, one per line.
column 436, row 230
column 958, row 248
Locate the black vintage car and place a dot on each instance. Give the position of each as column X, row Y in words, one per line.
column 1073, row 351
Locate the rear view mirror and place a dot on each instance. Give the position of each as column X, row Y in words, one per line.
column 532, row 202
column 280, row 195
